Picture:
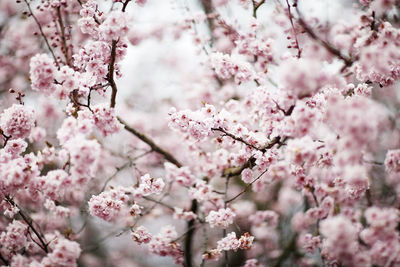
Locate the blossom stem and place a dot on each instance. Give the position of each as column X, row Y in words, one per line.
column 151, row 143
column 63, row 39
column 30, row 221
column 42, row 33
column 333, row 50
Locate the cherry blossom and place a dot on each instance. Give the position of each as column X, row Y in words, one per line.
column 209, row 133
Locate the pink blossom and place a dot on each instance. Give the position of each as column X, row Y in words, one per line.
column 59, row 211
column 201, row 191
column 180, row 214
column 213, row 254
column 15, row 147
column 141, row 2
column 107, row 205
column 226, row 66
column 162, row 244
column 150, row 185
column 309, row 242
column 15, row 236
column 246, row 241
column 301, row 151
column 230, row 242
column 115, row 26
column 42, row 74
column 105, row 119
column 67, row 81
column 182, row 175
column 55, row 184
column 261, row 216
column 64, row 253
column 135, row 210
column 392, row 160
column 340, row 239
column 221, row 218
column 247, row 175
column 302, row 77
column 252, row 263
column 17, row 121
column 84, row 157
column 141, row 235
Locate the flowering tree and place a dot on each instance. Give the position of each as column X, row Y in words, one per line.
column 281, row 145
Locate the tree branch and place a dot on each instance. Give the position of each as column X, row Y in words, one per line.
column 189, row 236
column 63, row 39
column 125, row 5
column 110, row 74
column 289, row 249
column 220, row 129
column 159, row 202
column 173, row 160
column 151, row 143
column 4, row 260
column 333, row 50
column 30, row 221
column 256, row 6
column 246, row 188
column 42, row 33
column 294, row 30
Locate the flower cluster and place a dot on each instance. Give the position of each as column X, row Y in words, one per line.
column 284, row 130
column 163, row 244
column 221, row 218
column 17, row 121
column 108, row 204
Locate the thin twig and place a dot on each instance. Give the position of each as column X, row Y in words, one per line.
column 256, row 7
column 220, row 129
column 30, row 222
column 159, row 202
column 246, row 188
column 151, row 143
column 294, row 30
column 63, row 39
column 333, row 50
column 185, row 233
column 118, row 169
column 42, row 33
column 230, row 172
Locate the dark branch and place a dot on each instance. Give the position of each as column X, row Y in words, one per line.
column 256, row 7
column 333, row 50
column 294, row 30
column 63, row 39
column 42, row 33
column 110, row 74
column 220, row 129
column 43, row 245
column 4, row 260
column 151, row 143
column 287, row 251
column 230, row 172
column 246, row 188
column 125, row 5
column 189, row 237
